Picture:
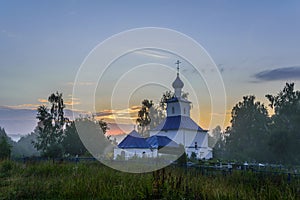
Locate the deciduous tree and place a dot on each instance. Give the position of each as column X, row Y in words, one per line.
column 285, row 138
column 5, row 147
column 51, row 126
column 247, row 137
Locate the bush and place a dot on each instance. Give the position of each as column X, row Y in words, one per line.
column 5, row 168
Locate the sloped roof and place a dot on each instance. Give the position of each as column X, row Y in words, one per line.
column 178, row 122
column 135, row 141
column 133, row 133
column 158, row 141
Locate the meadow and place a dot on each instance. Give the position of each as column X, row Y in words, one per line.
column 92, row 180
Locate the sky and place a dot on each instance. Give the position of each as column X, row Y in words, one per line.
column 254, row 44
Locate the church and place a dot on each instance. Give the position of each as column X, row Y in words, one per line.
column 178, row 128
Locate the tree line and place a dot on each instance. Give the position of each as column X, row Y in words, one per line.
column 55, row 136
column 256, row 136
column 253, row 134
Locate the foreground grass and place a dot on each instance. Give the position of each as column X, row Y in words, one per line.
column 95, row 181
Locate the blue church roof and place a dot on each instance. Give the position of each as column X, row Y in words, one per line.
column 134, row 140
column 178, row 122
column 158, row 141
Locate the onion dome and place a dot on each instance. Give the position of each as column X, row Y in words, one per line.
column 177, row 83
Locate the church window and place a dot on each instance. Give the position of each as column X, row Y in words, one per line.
column 184, row 112
column 173, row 110
column 123, row 154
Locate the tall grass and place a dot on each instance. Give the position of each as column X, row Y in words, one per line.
column 94, row 181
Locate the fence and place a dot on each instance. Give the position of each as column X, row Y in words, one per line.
column 208, row 169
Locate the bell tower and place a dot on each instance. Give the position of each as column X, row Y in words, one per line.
column 177, row 105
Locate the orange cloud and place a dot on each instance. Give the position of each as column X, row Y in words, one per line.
column 43, row 100
column 71, row 102
column 126, row 116
column 28, row 106
column 119, row 129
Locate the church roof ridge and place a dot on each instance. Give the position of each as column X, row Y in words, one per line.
column 178, row 122
column 134, row 140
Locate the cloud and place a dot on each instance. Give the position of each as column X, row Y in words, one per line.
column 43, row 100
column 68, row 101
column 9, row 34
column 125, row 115
column 283, row 73
column 28, row 106
column 71, row 102
column 151, row 53
column 104, row 113
column 135, row 107
column 119, row 129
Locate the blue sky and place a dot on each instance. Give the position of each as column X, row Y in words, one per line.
column 255, row 44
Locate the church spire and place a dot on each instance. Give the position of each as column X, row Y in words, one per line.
column 177, row 63
column 177, row 84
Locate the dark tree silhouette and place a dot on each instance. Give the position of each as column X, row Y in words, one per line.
column 72, row 142
column 215, row 136
column 285, row 138
column 5, row 147
column 98, row 144
column 144, row 119
column 247, row 137
column 50, row 127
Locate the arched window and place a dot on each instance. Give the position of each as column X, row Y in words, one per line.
column 123, row 154
column 173, row 110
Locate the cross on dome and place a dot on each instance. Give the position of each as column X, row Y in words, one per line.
column 177, row 63
column 178, row 84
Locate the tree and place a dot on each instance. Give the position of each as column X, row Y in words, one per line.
column 25, row 147
column 5, row 147
column 72, row 144
column 93, row 137
column 285, row 137
column 103, row 125
column 166, row 96
column 247, row 137
column 215, row 136
column 51, row 127
column 169, row 95
column 144, row 119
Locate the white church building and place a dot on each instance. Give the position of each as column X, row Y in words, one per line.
column 177, row 126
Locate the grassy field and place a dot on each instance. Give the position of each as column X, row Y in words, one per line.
column 46, row 180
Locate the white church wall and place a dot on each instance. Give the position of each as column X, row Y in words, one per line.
column 178, row 108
